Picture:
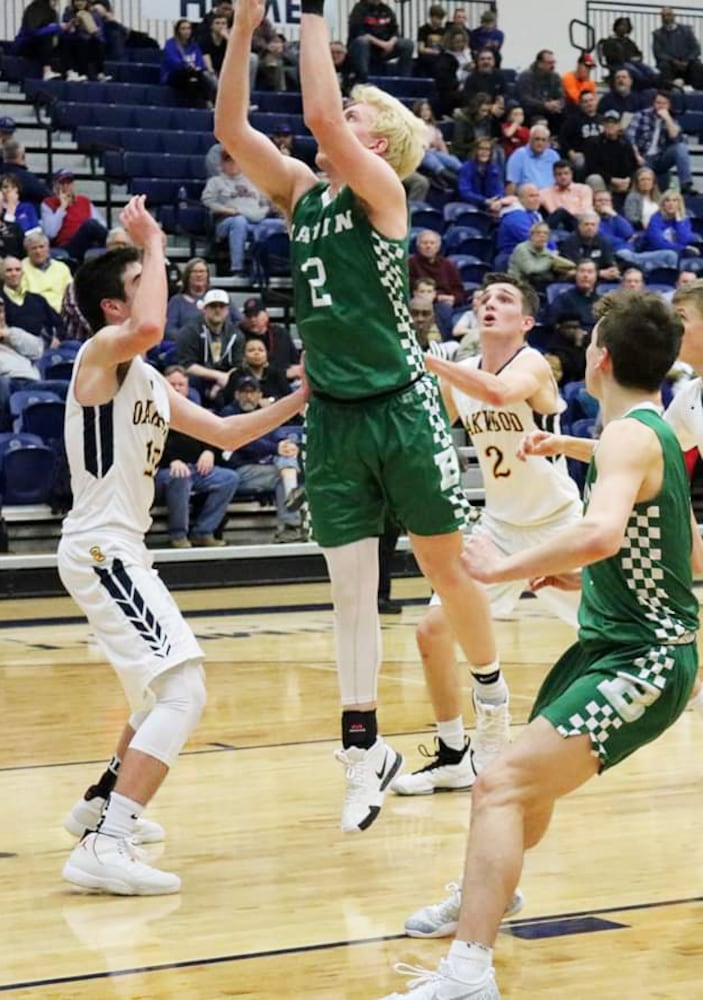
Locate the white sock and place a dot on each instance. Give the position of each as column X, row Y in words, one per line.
column 451, row 733
column 489, row 684
column 470, row 962
column 120, row 816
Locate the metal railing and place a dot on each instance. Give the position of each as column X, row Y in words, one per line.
column 411, row 14
column 601, row 14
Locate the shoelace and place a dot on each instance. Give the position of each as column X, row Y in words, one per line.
column 492, row 722
column 436, row 759
column 355, row 773
column 420, row 976
column 449, row 907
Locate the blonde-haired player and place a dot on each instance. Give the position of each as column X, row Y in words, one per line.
column 377, row 436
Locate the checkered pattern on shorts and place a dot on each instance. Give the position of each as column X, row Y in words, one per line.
column 639, row 556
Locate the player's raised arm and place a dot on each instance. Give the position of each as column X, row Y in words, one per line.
column 281, row 178
column 350, row 139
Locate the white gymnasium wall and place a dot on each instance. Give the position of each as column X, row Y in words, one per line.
column 529, row 25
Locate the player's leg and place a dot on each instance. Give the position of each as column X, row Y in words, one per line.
column 347, row 514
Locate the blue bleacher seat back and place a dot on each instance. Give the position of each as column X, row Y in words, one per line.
column 27, row 475
column 46, row 419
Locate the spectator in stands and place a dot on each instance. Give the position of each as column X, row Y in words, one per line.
column 684, row 278
column 466, row 330
column 11, row 235
column 571, row 315
column 487, row 36
column 422, row 314
column 480, row 179
column 565, row 200
column 210, row 345
column 516, row 222
column 621, row 233
column 70, row 220
column 643, row 200
column 13, row 208
column 183, row 66
column 116, row 35
column 222, row 8
column 540, row 91
column 236, row 207
column 27, row 310
column 474, row 122
column 453, row 65
column 429, row 40
column 276, row 55
column 486, row 78
column 186, row 468
column 282, row 138
column 578, row 81
column 515, row 133
column 677, row 52
column 82, row 42
column 214, row 44
column 268, row 464
column 428, row 262
column 581, row 124
column 535, row 263
column 8, row 127
column 41, row 273
column 670, row 227
column 38, row 36
column 374, row 40
column 18, row 352
column 632, row 280
column 75, row 325
column 187, row 305
column 14, row 162
column 587, row 244
column 426, row 288
column 532, row 164
column 621, row 52
column 438, row 162
column 660, row 144
column 280, row 349
column 622, row 98
column 342, row 66
column 610, row 159
column 271, row 379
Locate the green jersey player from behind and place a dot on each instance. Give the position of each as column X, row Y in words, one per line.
column 377, row 436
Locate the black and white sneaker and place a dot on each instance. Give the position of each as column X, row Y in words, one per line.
column 368, row 775
column 448, row 771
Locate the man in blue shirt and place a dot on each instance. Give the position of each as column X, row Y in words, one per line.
column 516, row 223
column 532, row 164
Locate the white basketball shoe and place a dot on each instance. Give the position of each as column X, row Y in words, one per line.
column 492, row 733
column 443, row 985
column 448, row 771
column 111, row 865
column 85, row 816
column 440, row 919
column 368, row 775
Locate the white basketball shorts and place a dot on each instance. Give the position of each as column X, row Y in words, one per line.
column 135, row 620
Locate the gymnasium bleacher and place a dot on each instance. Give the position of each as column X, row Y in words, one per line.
column 133, row 135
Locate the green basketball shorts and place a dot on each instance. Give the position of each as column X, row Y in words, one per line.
column 620, row 696
column 393, row 454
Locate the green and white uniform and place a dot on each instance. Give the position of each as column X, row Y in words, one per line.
column 631, row 673
column 376, row 430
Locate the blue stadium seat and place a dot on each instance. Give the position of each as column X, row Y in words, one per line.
column 471, row 269
column 459, row 213
column 15, row 439
column 271, row 257
column 305, row 149
column 539, row 337
column 27, row 474
column 466, row 240
column 415, row 87
column 44, row 419
column 278, row 103
column 428, row 218
column 58, row 355
column 691, row 123
column 60, row 371
column 133, row 72
column 694, row 205
column 662, row 276
column 20, row 400
column 162, row 191
column 556, row 288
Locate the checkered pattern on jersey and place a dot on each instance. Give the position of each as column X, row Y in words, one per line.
column 638, row 691
column 640, row 558
column 391, row 261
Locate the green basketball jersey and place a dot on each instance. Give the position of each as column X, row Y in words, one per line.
column 351, row 298
column 643, row 594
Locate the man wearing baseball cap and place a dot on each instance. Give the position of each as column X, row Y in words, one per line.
column 70, row 220
column 282, row 352
column 579, row 80
column 610, row 159
column 209, row 346
column 8, row 127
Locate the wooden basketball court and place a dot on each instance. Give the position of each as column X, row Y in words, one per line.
column 276, row 903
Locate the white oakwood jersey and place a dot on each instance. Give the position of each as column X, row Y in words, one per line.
column 518, row 493
column 113, row 452
column 685, row 414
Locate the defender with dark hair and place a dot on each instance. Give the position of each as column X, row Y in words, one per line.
column 118, row 411
column 631, row 673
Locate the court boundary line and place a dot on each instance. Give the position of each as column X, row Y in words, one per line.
column 193, row 963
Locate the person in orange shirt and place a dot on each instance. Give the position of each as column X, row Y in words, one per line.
column 579, row 79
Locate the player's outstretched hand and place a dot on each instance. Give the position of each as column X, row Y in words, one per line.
column 140, row 225
column 562, row 581
column 481, row 559
column 538, row 443
column 249, row 14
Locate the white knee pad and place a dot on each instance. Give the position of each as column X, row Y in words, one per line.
column 180, row 700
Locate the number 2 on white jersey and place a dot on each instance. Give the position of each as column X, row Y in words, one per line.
column 317, row 282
